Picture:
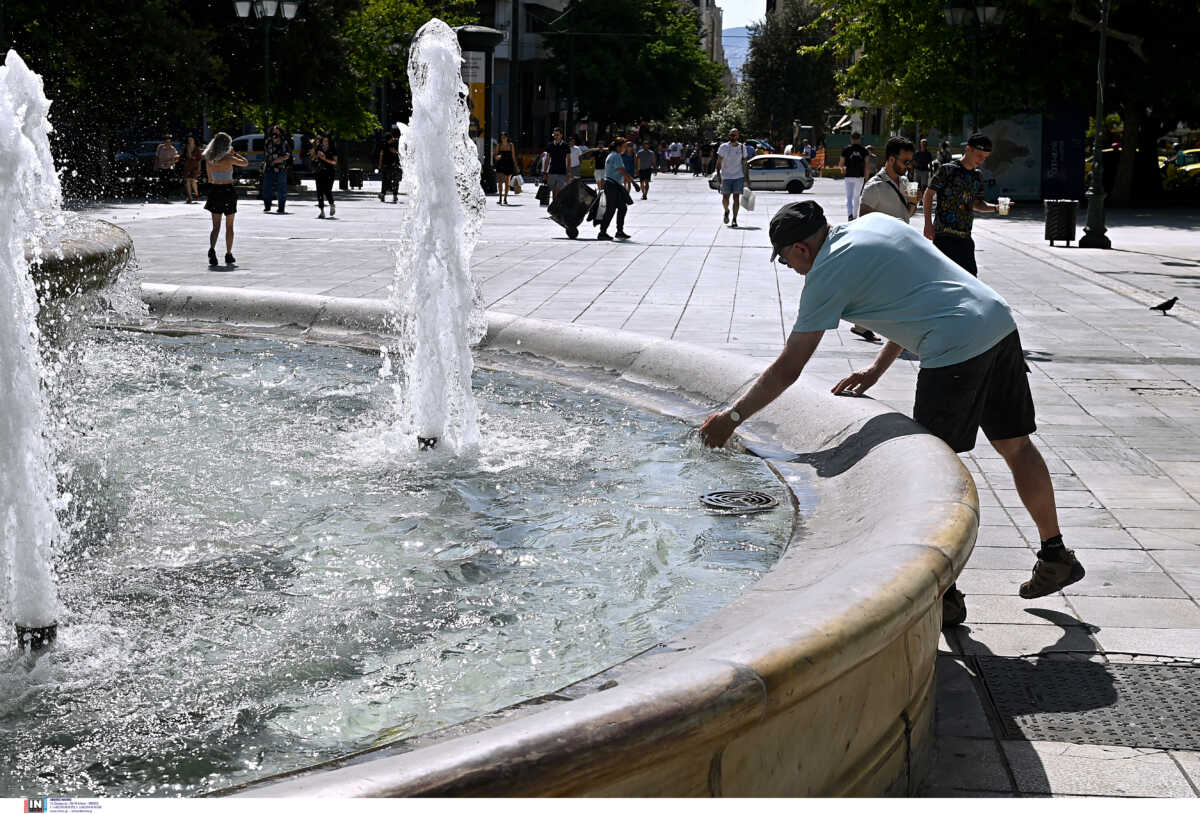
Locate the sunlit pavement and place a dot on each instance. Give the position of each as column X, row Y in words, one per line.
column 1116, row 387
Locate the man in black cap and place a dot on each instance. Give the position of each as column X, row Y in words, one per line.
column 958, row 186
column 878, row 272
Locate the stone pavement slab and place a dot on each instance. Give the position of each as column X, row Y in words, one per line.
column 1117, row 388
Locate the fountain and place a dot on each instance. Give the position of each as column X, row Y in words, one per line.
column 439, row 311
column 245, row 595
column 28, row 493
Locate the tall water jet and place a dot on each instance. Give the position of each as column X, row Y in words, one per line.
column 29, row 193
column 437, row 306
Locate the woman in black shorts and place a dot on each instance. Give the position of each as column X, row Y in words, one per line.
column 506, row 167
column 222, row 197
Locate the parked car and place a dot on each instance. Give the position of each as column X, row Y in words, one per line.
column 139, row 159
column 1191, row 159
column 761, row 147
column 774, row 171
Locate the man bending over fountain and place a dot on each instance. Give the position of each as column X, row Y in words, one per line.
column 878, row 272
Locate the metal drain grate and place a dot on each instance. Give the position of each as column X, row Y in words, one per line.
column 1141, row 705
column 739, row 501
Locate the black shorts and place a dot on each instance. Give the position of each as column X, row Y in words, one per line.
column 959, row 249
column 222, row 199
column 990, row 390
column 644, row 175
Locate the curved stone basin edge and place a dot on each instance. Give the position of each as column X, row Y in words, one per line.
column 818, row 681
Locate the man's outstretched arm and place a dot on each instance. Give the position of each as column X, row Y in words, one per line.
column 768, row 387
column 860, row 381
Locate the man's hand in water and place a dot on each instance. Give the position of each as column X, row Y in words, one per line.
column 716, row 429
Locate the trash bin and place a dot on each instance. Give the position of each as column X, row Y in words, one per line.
column 571, row 206
column 356, row 178
column 1060, row 220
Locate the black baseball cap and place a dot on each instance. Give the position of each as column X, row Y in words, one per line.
column 793, row 223
column 979, row 141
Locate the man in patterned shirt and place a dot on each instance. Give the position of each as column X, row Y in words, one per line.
column 958, row 186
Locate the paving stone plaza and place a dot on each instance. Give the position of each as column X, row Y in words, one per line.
column 1117, row 388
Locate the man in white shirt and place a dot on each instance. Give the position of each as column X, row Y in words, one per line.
column 574, row 160
column 675, row 155
column 887, row 190
column 731, row 172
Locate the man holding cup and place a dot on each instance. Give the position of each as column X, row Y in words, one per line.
column 958, row 187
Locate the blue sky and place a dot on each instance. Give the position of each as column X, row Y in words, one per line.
column 737, row 13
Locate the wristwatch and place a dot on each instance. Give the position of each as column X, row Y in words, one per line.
column 735, row 416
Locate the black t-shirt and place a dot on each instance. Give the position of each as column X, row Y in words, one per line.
column 855, row 156
column 922, row 159
column 558, row 157
column 323, row 168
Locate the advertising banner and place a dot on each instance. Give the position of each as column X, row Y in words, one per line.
column 474, row 74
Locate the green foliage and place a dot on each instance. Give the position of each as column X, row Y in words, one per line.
column 121, row 71
column 786, row 77
column 633, row 59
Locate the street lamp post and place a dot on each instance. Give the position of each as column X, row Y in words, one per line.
column 1094, row 236
column 266, row 11
column 973, row 15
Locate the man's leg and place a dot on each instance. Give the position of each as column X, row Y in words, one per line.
column 268, row 189
column 282, row 183
column 1032, row 479
column 858, row 185
column 622, row 208
column 851, row 210
column 737, row 204
column 611, row 195
column 725, row 206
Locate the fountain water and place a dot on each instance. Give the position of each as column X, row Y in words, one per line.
column 437, row 306
column 29, row 529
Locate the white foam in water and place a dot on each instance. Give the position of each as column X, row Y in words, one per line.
column 437, row 306
column 29, row 195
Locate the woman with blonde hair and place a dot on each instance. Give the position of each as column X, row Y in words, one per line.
column 222, row 197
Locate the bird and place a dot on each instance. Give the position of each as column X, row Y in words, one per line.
column 1165, row 306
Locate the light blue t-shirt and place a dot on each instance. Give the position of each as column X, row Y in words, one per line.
column 613, row 166
column 881, row 273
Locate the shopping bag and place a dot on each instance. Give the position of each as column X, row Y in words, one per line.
column 714, row 182
column 748, row 200
column 514, row 184
column 543, row 194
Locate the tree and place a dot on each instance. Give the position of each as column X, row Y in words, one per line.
column 902, row 54
column 785, row 78
column 619, row 76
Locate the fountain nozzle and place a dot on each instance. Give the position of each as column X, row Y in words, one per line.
column 426, row 443
column 36, row 638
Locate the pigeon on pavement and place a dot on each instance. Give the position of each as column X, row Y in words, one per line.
column 1165, row 306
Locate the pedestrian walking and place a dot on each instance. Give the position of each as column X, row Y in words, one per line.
column 616, row 193
column 192, row 159
column 220, row 160
column 944, row 154
column 887, row 191
column 325, row 158
column 644, row 163
column 629, row 162
column 277, row 158
column 555, row 172
column 958, row 189
column 165, row 159
column 575, row 159
column 675, row 156
column 854, row 163
column 923, row 163
column 506, row 167
column 731, row 172
column 389, row 168
column 972, row 375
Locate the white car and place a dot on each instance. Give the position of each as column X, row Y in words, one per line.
column 774, row 171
